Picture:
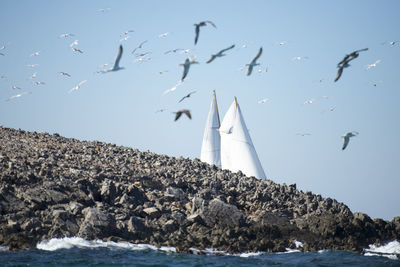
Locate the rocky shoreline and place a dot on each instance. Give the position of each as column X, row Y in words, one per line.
column 53, row 187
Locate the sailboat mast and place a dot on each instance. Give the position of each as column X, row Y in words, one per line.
column 216, row 108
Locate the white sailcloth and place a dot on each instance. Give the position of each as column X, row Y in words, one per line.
column 237, row 149
column 211, row 146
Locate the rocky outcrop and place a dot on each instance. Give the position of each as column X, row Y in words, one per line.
column 51, row 186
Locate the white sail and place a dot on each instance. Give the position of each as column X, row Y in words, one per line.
column 237, row 149
column 211, row 146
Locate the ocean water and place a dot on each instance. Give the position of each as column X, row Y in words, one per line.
column 79, row 252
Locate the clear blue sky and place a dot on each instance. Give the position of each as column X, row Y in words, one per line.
column 120, row 107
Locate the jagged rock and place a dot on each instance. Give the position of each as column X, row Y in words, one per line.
column 152, row 212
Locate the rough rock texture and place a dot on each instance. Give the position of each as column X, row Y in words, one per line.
column 51, row 186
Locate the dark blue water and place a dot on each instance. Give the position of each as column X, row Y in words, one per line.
column 149, row 257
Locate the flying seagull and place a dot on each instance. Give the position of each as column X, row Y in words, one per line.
column 179, row 114
column 262, row 101
column 373, row 64
column 186, row 66
column 392, row 43
column 197, row 29
column 18, row 95
column 77, row 86
column 39, row 83
column 116, row 66
column 139, row 46
column 344, row 63
column 14, row 87
column 64, row 73
column 347, row 138
column 65, row 35
column 77, row 50
column 186, row 96
column 220, row 53
column 173, row 51
column 126, row 32
column 74, row 43
column 34, row 54
column 253, row 62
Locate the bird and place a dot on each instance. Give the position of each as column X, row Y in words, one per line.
column 39, row 83
column 347, row 137
column 282, row 43
column 65, row 35
column 344, row 63
column 18, row 95
column 74, row 43
column 103, row 9
column 35, row 54
column 161, row 110
column 77, row 50
column 126, row 32
column 34, row 75
column 32, row 65
column 253, row 62
column 186, row 96
column 116, row 66
column 125, row 38
column 303, row 134
column 64, row 73
column 173, row 51
column 163, row 35
column 392, row 43
column 3, row 47
column 14, row 87
column 262, row 101
column 2, row 54
column 77, row 86
column 219, row 54
column 186, row 66
column 309, row 101
column 373, row 64
column 172, row 88
column 178, row 114
column 197, row 28
column 299, row 58
column 139, row 46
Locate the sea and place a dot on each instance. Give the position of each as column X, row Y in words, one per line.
column 75, row 251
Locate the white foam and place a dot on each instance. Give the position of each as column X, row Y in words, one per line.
column 250, row 254
column 390, row 250
column 2, row 249
column 77, row 242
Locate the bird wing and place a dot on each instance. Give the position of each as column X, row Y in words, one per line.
column 361, row 50
column 226, row 49
column 182, row 99
column 186, row 67
column 249, row 70
column 339, row 73
column 211, row 59
column 82, row 82
column 197, row 32
column 116, row 64
column 178, row 115
column 346, row 141
column 257, row 56
column 212, row 23
column 187, row 112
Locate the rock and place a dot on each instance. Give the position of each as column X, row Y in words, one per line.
column 218, row 212
column 152, row 212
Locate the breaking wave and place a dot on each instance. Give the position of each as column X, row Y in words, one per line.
column 390, row 250
column 77, row 242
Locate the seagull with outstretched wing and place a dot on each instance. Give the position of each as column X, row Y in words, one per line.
column 220, row 53
column 186, row 96
column 253, row 63
column 344, row 63
column 197, row 28
column 182, row 111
